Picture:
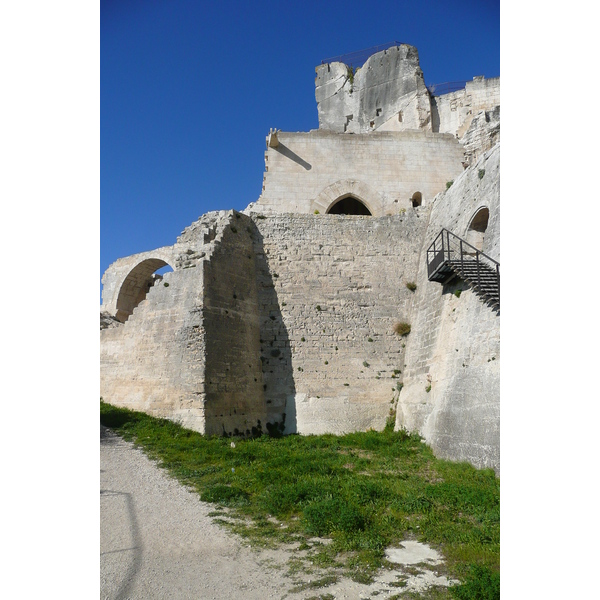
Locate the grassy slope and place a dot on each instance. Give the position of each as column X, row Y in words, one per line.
column 365, row 491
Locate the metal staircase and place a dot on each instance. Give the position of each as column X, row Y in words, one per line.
column 450, row 256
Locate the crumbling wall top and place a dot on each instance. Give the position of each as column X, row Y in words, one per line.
column 388, row 92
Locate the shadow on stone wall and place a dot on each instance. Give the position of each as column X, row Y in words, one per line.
column 275, row 348
column 285, row 151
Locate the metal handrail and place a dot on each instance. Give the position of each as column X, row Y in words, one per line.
column 440, row 89
column 447, row 246
column 359, row 57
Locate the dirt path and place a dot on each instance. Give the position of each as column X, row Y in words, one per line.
column 158, row 542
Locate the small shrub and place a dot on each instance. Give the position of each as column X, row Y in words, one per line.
column 411, row 285
column 449, row 184
column 318, row 307
column 402, row 211
column 166, row 284
column 369, row 339
column 317, row 212
column 302, row 339
column 365, row 364
column 402, row 328
column 351, row 71
column 428, row 388
column 457, row 293
column 481, row 173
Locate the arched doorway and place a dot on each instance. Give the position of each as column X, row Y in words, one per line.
column 477, row 228
column 137, row 284
column 349, row 205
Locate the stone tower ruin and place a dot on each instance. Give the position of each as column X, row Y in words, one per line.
column 291, row 316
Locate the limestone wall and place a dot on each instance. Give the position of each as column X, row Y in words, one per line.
column 331, row 288
column 235, row 401
column 278, row 323
column 155, row 361
column 189, row 350
column 455, row 343
column 124, row 278
column 309, row 171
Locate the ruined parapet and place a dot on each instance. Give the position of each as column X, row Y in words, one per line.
column 387, row 93
column 127, row 281
column 454, row 112
column 190, row 350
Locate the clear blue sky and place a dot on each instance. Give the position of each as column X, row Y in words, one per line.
column 189, row 90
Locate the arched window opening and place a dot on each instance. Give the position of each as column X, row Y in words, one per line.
column 477, row 228
column 137, row 285
column 348, row 206
column 417, row 199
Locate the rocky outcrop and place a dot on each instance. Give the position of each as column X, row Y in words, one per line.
column 482, row 134
column 388, row 92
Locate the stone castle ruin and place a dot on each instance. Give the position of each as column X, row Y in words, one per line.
column 361, row 286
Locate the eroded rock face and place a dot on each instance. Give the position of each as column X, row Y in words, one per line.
column 482, row 134
column 388, row 93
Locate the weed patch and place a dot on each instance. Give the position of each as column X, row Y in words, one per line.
column 402, row 328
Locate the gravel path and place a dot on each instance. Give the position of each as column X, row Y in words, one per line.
column 158, row 542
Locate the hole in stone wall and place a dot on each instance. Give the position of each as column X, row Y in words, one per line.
column 417, row 199
column 400, row 116
column 348, row 206
column 477, row 228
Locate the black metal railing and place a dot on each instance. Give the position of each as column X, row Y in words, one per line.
column 450, row 255
column 439, row 89
column 359, row 58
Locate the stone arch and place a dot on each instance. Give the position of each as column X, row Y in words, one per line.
column 345, row 188
column 417, row 199
column 136, row 285
column 348, row 205
column 477, row 227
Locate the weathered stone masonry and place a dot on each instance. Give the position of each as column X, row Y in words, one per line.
column 331, row 359
column 281, row 318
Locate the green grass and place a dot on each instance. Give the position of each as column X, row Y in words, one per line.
column 365, row 491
